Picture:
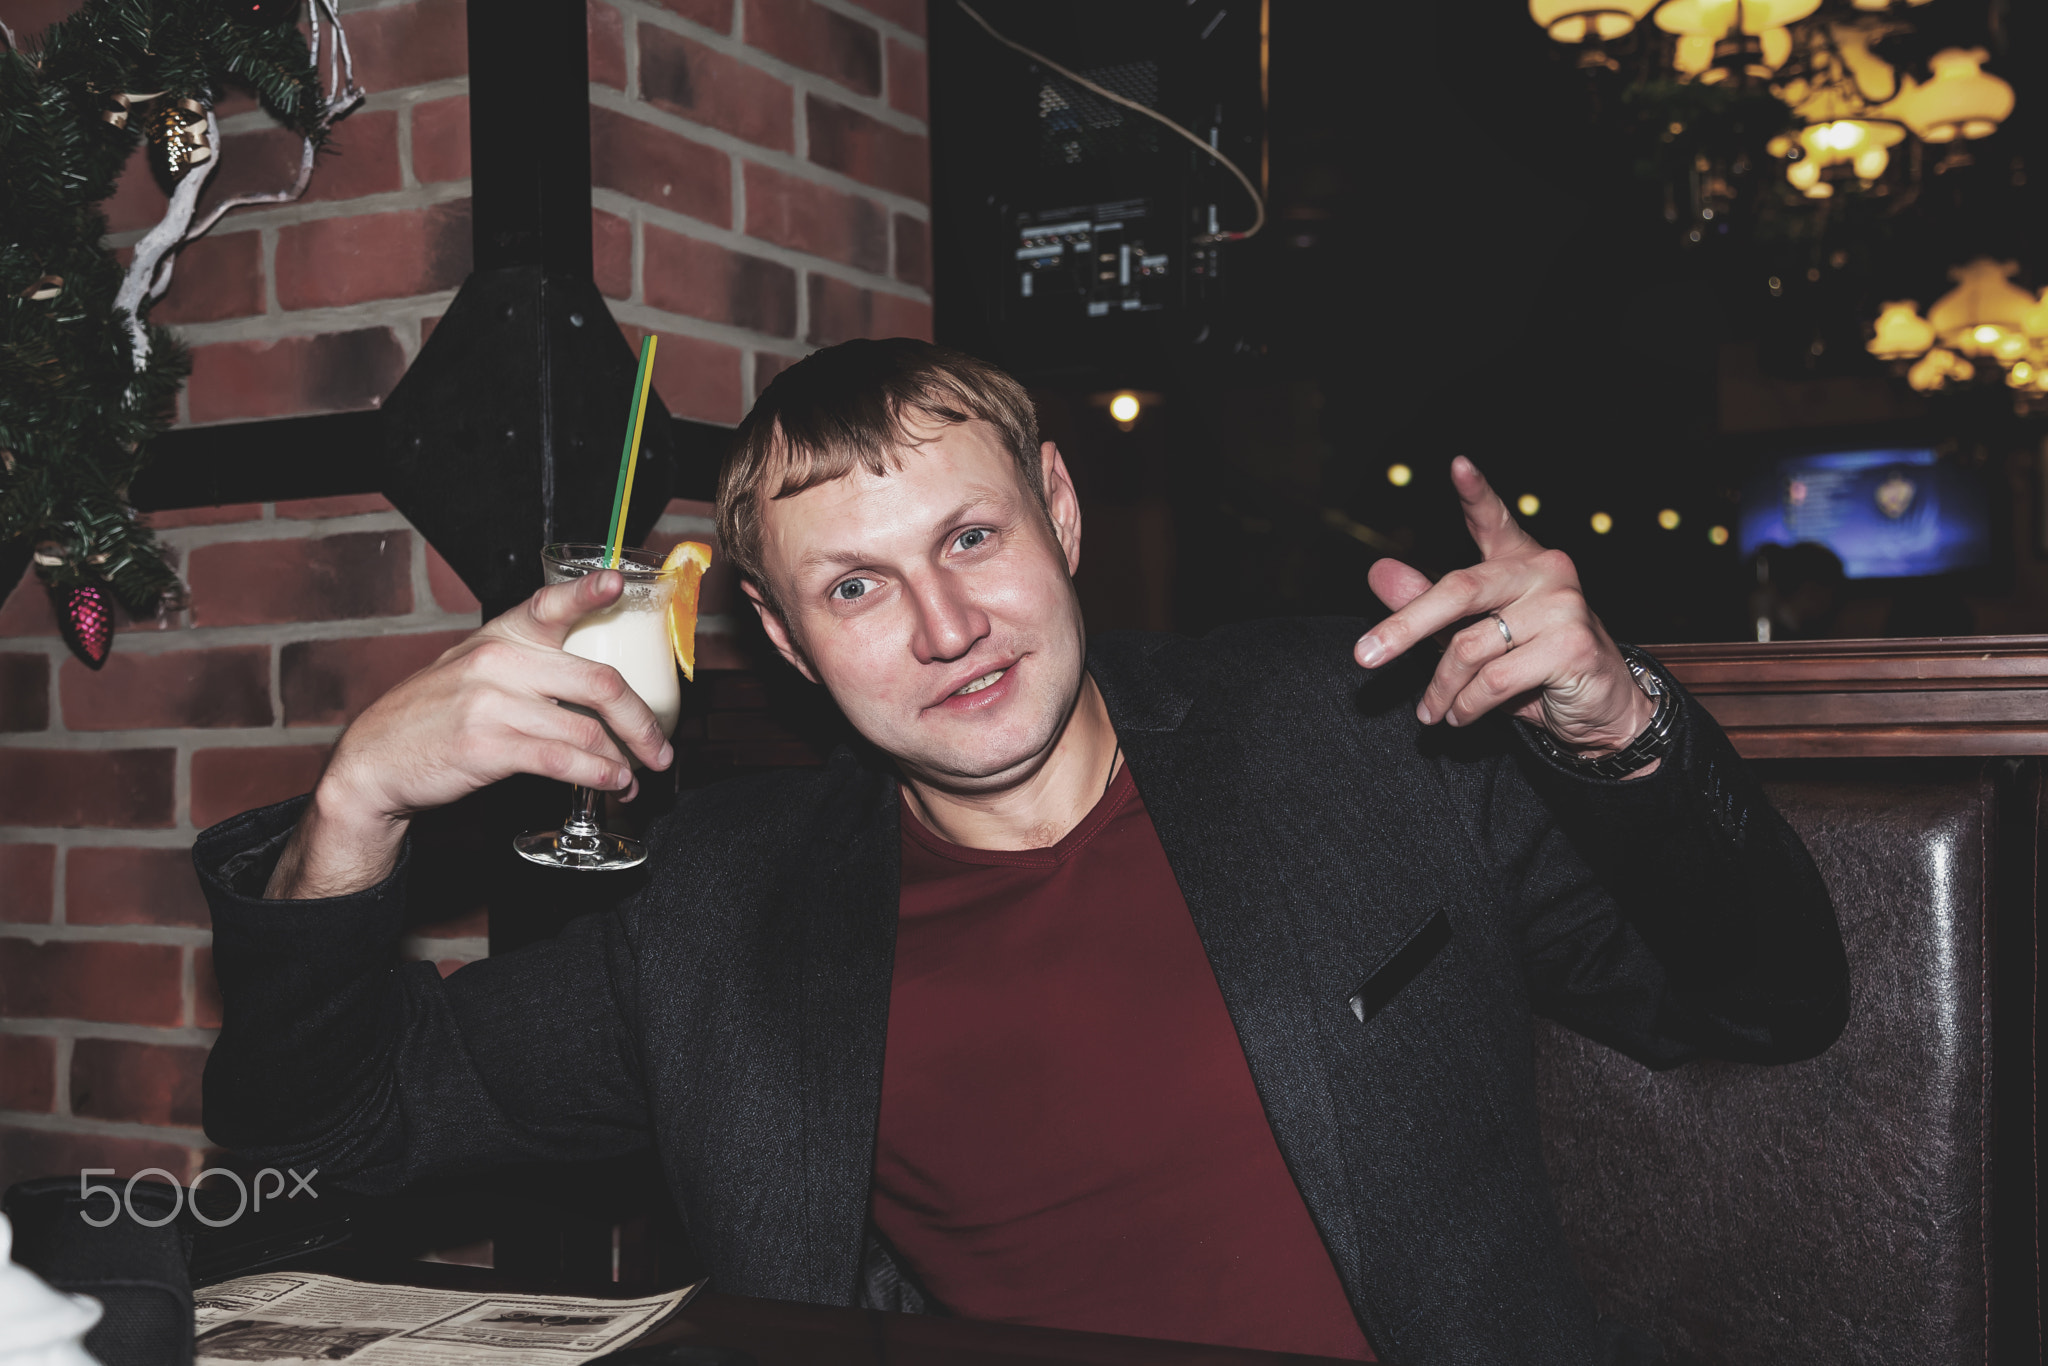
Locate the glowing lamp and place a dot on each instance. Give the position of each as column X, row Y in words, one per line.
column 1937, row 369
column 1870, row 163
column 1602, row 523
column 2034, row 322
column 1717, row 535
column 1901, row 332
column 1960, row 102
column 1668, row 519
column 1575, row 21
column 1719, row 18
column 1528, row 505
column 1400, row 476
column 1124, row 407
column 1984, row 308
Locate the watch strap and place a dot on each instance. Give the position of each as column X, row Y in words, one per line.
column 1653, row 743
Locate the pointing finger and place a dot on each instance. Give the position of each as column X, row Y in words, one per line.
column 1396, row 584
column 1494, row 529
column 1458, row 594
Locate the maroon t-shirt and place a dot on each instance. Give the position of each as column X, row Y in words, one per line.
column 1069, row 1133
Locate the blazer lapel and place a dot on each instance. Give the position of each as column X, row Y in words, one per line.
column 1213, row 831
column 848, row 956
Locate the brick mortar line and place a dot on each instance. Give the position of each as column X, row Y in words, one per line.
column 266, row 254
column 407, row 177
column 276, row 633
column 880, row 22
column 67, row 837
column 681, row 324
column 313, row 210
column 416, row 622
column 56, row 1027
column 65, row 1052
column 275, row 528
column 107, row 1128
column 736, row 240
column 184, row 739
column 803, row 81
column 402, row 315
column 753, row 151
column 171, row 935
column 181, row 784
column 629, row 43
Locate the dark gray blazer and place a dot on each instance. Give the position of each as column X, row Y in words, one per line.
column 1384, row 908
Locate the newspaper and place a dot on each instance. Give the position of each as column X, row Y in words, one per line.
column 303, row 1316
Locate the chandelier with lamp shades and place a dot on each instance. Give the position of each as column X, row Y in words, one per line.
column 1849, row 107
column 1985, row 321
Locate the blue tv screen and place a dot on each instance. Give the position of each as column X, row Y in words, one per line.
column 1886, row 513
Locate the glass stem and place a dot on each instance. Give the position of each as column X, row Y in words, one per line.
column 583, row 812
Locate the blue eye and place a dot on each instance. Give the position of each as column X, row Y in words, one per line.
column 970, row 539
column 851, row 589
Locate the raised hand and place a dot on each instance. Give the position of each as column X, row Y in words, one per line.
column 483, row 711
column 1536, row 647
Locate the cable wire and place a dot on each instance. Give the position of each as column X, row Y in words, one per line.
column 1258, row 200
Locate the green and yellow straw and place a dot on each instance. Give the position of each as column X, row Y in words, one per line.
column 629, row 459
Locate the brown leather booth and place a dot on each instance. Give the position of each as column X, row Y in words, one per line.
column 1879, row 1203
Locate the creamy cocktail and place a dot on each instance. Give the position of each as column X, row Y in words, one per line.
column 633, row 636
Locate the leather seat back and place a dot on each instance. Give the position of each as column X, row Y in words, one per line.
column 1832, row 1210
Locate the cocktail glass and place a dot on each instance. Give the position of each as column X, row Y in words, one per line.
column 632, row 635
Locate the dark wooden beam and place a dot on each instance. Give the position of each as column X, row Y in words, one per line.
column 326, row 455
column 1966, row 695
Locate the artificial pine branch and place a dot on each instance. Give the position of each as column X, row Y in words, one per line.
column 76, row 411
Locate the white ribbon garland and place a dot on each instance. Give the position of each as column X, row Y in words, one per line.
column 149, row 272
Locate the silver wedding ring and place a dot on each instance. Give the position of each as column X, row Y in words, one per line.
column 1505, row 633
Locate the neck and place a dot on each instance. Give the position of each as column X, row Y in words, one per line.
column 1040, row 809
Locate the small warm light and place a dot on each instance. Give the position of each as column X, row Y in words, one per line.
column 1871, row 161
column 1717, row 535
column 1124, row 407
column 1668, row 519
column 1528, row 505
column 1602, row 523
column 1399, row 476
column 1575, row 21
column 1901, row 332
column 1961, row 101
column 1982, row 310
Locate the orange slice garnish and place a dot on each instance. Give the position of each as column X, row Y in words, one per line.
column 686, row 565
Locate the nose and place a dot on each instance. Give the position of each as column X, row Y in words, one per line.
column 948, row 623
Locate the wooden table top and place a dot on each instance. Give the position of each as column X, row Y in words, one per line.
column 776, row 1333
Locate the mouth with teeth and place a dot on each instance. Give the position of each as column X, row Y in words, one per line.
column 978, row 684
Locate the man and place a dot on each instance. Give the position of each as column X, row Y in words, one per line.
column 1148, row 985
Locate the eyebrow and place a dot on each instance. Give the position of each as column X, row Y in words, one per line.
column 853, row 559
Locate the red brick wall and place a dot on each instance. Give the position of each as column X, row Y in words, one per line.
column 762, row 176
column 760, row 189
column 300, row 614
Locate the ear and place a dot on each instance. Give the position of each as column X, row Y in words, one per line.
column 778, row 630
column 1061, row 503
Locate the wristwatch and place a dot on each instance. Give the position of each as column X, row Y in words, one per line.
column 1654, row 743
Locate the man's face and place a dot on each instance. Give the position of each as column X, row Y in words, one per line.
column 936, row 604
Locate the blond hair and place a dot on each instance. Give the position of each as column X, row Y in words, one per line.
column 844, row 407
